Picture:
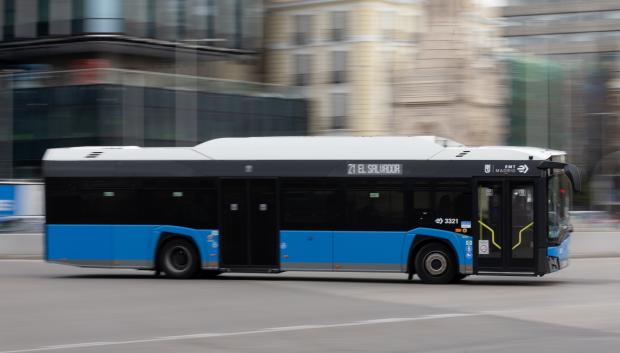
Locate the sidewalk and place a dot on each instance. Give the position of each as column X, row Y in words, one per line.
column 595, row 244
column 21, row 246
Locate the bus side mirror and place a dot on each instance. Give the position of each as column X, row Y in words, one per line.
column 570, row 169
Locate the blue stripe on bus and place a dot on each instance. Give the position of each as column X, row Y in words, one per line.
column 106, row 245
column 111, row 245
column 368, row 250
column 363, row 250
column 301, row 249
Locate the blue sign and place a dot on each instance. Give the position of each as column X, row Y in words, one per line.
column 7, row 200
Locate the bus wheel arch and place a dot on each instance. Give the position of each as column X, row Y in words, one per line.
column 424, row 246
column 177, row 256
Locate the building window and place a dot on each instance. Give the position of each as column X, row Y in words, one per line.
column 77, row 16
column 339, row 67
column 416, row 31
column 102, row 16
column 303, row 65
column 338, row 26
column 181, row 20
column 136, row 14
column 388, row 19
column 26, row 19
column 302, row 29
column 60, row 17
column 226, row 26
column 2, row 14
column 252, row 24
column 9, row 19
column 338, row 108
column 43, row 18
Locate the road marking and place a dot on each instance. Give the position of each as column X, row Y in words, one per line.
column 241, row 333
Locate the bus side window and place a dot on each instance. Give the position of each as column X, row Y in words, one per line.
column 62, row 201
column 375, row 209
column 452, row 207
column 193, row 208
column 423, row 213
column 109, row 206
column 309, row 209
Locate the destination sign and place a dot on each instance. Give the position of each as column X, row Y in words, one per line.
column 374, row 169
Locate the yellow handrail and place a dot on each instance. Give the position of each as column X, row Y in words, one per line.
column 520, row 235
column 492, row 234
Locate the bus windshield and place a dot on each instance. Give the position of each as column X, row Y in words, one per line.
column 559, row 200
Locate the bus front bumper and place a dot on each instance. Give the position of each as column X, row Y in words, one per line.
column 557, row 256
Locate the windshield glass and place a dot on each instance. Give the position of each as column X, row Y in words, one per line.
column 559, row 202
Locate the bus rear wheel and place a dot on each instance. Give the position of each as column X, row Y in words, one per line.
column 178, row 258
column 435, row 264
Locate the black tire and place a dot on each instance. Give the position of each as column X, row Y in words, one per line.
column 435, row 264
column 179, row 258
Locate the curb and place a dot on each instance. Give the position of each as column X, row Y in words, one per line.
column 593, row 256
column 21, row 257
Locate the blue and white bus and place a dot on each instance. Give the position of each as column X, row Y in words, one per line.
column 416, row 205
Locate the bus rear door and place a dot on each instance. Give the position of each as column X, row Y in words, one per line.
column 249, row 223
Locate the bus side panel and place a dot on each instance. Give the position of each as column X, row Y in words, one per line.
column 85, row 245
column 134, row 245
column 306, row 250
column 461, row 244
column 130, row 246
column 368, row 251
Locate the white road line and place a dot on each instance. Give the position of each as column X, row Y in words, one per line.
column 241, row 333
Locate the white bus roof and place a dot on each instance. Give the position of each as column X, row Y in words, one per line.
column 308, row 148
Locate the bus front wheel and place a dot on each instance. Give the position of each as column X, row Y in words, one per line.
column 435, row 264
column 179, row 258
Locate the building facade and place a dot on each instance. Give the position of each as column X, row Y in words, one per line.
column 138, row 72
column 345, row 54
column 214, row 38
column 573, row 96
column 454, row 86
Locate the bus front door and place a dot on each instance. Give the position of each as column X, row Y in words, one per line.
column 504, row 229
column 249, row 223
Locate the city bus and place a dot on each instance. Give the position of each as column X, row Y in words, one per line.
column 423, row 205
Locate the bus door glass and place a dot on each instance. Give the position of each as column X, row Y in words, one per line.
column 522, row 223
column 504, row 226
column 489, row 221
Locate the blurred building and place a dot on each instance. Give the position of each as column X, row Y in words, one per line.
column 345, row 55
column 215, row 38
column 134, row 72
column 454, row 86
column 568, row 65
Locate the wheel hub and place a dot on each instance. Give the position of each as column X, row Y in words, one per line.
column 179, row 258
column 436, row 263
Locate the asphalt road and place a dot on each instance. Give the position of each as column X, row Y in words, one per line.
column 53, row 308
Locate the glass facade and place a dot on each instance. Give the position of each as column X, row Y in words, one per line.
column 221, row 23
column 113, row 114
